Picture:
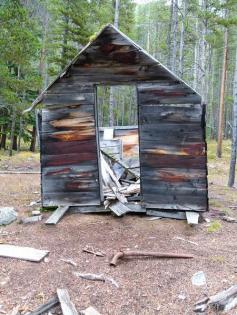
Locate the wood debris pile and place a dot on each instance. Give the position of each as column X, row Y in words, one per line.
column 121, row 183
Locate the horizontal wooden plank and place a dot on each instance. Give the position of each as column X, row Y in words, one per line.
column 110, row 143
column 87, row 169
column 60, row 87
column 70, row 184
column 53, row 148
column 68, row 99
column 71, row 198
column 164, row 96
column 173, row 90
column 198, row 183
column 175, row 202
column 161, row 135
column 84, row 134
column 66, row 112
column 67, row 159
column 111, row 73
column 172, row 161
column 159, row 188
column 172, row 175
column 187, row 149
column 82, row 122
column 170, row 114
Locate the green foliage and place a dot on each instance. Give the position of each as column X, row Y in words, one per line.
column 215, row 226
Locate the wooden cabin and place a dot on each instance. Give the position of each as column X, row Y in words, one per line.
column 171, row 129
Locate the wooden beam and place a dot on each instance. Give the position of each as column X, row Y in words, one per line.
column 57, row 215
column 68, row 308
column 24, row 253
column 44, row 308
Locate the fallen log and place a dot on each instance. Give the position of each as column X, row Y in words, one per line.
column 121, row 255
column 223, row 301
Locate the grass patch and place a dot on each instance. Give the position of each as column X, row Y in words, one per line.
column 218, row 259
column 211, row 150
column 215, row 226
column 47, row 209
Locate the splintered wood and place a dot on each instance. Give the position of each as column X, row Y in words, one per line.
column 118, row 185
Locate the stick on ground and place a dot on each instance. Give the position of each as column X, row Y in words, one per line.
column 121, row 255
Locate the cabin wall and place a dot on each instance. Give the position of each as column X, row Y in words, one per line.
column 171, row 129
column 69, row 157
column 172, row 150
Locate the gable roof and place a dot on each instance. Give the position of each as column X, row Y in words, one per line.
column 112, row 48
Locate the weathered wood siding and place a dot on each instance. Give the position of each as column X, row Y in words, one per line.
column 69, row 157
column 172, row 149
column 171, row 128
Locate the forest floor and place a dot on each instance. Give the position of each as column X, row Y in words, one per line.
column 147, row 286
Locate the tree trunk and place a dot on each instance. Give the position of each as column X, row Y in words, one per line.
column 13, row 126
column 174, row 32
column 169, row 37
column 182, row 33
column 234, row 131
column 222, row 97
column 43, row 52
column 4, row 137
column 14, row 146
column 19, row 136
column 111, row 96
column 116, row 13
column 196, row 58
column 33, row 139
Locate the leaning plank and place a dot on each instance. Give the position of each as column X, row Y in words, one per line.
column 24, row 253
column 133, row 173
column 57, row 215
column 68, row 308
column 119, row 208
column 44, row 308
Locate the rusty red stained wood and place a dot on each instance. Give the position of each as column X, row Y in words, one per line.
column 60, row 147
column 74, row 135
column 68, row 159
column 173, row 161
column 80, row 185
column 175, row 177
column 192, row 149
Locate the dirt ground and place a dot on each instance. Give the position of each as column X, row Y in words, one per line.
column 146, row 286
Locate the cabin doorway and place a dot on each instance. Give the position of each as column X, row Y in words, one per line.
column 118, row 143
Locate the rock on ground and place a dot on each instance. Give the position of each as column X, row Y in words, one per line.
column 7, row 215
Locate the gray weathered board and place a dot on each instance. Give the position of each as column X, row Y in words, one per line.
column 24, row 253
column 68, row 308
column 171, row 128
column 57, row 215
column 119, row 208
